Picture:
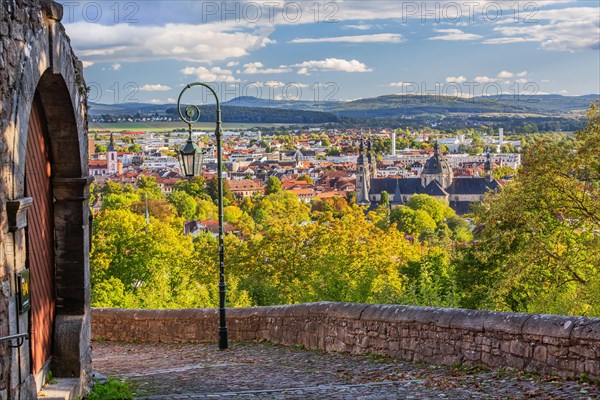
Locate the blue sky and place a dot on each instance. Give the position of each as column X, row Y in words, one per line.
column 335, row 50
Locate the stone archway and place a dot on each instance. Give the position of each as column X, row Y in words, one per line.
column 38, row 62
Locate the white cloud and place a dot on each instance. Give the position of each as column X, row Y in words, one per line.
column 155, row 101
column 154, row 88
column 289, row 85
column 171, row 100
column 87, row 63
column 484, row 79
column 523, row 73
column 331, row 64
column 400, row 84
column 273, row 83
column 360, row 27
column 116, row 67
column 189, row 42
column 454, row 35
column 567, row 29
column 233, row 64
column 456, row 79
column 215, row 74
column 375, row 38
column 257, row 68
column 522, row 80
column 505, row 74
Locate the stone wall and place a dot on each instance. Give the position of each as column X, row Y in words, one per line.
column 568, row 346
column 37, row 62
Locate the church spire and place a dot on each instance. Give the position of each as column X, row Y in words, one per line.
column 111, row 144
column 361, row 152
column 488, row 167
column 363, row 199
column 397, row 193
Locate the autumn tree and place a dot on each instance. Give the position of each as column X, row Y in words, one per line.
column 183, row 203
column 212, row 189
column 148, row 187
column 273, row 185
column 195, row 186
column 538, row 249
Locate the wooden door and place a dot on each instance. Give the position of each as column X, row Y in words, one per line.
column 40, row 236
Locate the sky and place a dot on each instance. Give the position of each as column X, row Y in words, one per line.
column 147, row 50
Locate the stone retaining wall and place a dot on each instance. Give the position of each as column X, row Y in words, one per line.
column 567, row 346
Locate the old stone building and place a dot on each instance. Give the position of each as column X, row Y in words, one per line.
column 44, row 214
column 437, row 180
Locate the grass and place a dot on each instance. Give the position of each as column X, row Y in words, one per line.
column 111, row 390
column 50, row 379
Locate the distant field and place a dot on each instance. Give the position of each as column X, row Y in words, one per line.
column 169, row 126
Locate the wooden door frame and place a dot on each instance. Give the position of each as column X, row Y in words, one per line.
column 39, row 135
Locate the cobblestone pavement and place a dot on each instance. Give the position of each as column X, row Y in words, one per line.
column 265, row 371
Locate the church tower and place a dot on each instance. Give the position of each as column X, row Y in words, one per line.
column 489, row 169
column 363, row 178
column 372, row 161
column 438, row 169
column 111, row 156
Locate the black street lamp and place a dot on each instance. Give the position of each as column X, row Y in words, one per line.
column 190, row 156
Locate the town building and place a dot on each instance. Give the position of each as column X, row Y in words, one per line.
column 436, row 179
column 245, row 188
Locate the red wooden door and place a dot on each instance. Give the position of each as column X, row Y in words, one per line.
column 40, row 236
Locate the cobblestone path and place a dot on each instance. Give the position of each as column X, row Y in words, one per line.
column 265, row 371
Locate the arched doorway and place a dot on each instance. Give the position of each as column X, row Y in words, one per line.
column 44, row 213
column 40, row 239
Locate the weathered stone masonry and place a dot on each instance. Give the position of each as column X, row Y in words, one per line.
column 568, row 346
column 37, row 66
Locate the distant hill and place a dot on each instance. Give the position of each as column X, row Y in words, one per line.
column 252, row 109
column 228, row 113
column 249, row 101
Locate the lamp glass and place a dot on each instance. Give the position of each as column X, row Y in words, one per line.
column 190, row 158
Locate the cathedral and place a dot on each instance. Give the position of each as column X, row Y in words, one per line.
column 436, row 180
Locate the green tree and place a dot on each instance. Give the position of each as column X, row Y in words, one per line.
column 206, row 209
column 112, row 188
column 437, row 209
column 183, row 203
column 413, row 222
column 212, row 189
column 351, row 198
column 503, row 171
column 122, row 201
column 134, row 148
column 277, row 208
column 194, row 186
column 306, row 179
column 148, row 187
column 539, row 249
column 136, row 265
column 460, row 229
column 273, row 185
column 232, row 214
column 385, row 199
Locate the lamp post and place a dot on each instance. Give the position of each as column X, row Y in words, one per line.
column 191, row 164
